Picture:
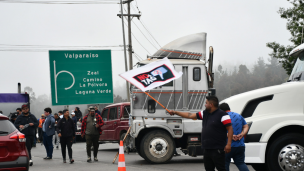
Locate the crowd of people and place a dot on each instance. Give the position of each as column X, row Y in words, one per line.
column 59, row 128
column 222, row 134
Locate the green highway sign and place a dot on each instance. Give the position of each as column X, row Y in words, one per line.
column 81, row 77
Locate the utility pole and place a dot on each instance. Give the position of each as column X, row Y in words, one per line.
column 129, row 15
column 130, row 36
column 125, row 53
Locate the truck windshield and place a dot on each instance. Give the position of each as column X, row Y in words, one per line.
column 298, row 69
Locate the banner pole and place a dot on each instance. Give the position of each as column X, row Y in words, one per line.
column 157, row 101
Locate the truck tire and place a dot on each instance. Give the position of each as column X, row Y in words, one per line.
column 259, row 167
column 157, row 147
column 286, row 153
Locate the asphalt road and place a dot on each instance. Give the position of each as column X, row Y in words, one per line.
column 106, row 155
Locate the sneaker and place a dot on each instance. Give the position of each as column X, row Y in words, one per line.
column 31, row 163
column 71, row 161
column 95, row 159
column 64, row 161
column 89, row 159
column 47, row 158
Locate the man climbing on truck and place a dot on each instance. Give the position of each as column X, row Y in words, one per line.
column 216, row 123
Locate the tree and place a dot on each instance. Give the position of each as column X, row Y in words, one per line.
column 31, row 93
column 295, row 25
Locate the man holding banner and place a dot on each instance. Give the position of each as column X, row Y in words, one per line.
column 215, row 121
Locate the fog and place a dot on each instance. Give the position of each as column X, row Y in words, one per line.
column 238, row 31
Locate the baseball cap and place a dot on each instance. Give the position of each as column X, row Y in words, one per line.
column 24, row 105
column 91, row 108
column 72, row 113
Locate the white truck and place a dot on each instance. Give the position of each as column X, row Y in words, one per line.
column 275, row 116
column 156, row 133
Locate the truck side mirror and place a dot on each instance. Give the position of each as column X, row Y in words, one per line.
column 151, row 106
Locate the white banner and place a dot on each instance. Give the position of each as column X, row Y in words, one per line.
column 152, row 75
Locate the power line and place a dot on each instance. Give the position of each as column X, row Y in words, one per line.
column 19, row 45
column 62, row 2
column 139, row 41
column 149, row 33
column 144, row 24
column 45, row 50
column 138, row 56
column 143, row 34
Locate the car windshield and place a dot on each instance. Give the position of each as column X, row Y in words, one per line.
column 296, row 73
column 6, row 127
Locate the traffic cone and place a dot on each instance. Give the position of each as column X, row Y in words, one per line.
column 121, row 159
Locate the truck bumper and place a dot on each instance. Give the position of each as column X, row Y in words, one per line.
column 255, row 152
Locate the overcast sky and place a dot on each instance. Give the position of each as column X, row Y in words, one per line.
column 237, row 29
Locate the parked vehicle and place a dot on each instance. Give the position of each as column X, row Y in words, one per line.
column 275, row 140
column 13, row 152
column 116, row 122
column 156, row 133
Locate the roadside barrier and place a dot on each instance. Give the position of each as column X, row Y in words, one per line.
column 121, row 160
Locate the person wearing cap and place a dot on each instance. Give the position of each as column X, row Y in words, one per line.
column 66, row 132
column 40, row 121
column 75, row 123
column 27, row 123
column 55, row 136
column 91, row 129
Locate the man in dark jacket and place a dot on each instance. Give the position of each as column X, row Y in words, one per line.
column 75, row 123
column 96, row 110
column 27, row 124
column 56, row 139
column 78, row 114
column 66, row 132
column 48, row 129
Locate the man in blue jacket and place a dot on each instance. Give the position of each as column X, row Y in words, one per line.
column 48, row 129
column 240, row 128
column 26, row 123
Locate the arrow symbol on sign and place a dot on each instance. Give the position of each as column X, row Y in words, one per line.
column 55, row 78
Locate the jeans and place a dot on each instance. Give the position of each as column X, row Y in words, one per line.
column 56, row 138
column 238, row 156
column 28, row 144
column 47, row 141
column 92, row 139
column 66, row 142
column 214, row 158
column 40, row 134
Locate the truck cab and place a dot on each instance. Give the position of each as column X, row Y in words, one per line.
column 116, row 122
column 157, row 134
column 275, row 116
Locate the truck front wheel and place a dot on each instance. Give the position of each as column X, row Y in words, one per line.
column 157, row 147
column 286, row 153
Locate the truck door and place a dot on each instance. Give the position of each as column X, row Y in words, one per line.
column 104, row 128
column 178, row 85
column 112, row 123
